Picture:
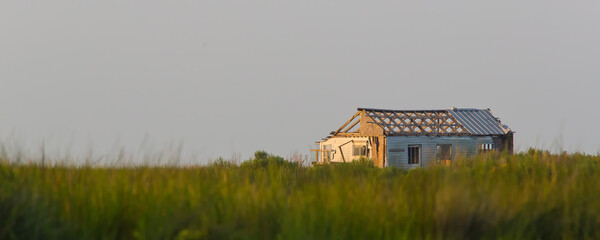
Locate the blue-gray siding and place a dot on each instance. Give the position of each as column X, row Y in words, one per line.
column 397, row 147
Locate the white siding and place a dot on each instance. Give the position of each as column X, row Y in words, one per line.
column 347, row 143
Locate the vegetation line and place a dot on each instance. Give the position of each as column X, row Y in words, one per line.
column 532, row 195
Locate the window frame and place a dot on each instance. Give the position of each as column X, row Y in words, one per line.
column 414, row 150
column 359, row 150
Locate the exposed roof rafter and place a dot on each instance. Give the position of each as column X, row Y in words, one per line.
column 448, row 122
column 465, row 121
column 343, row 128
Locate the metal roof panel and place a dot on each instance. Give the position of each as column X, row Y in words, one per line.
column 479, row 121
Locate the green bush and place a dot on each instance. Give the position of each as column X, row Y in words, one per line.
column 263, row 159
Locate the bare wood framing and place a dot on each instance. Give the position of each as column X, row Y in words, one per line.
column 351, row 126
column 342, row 152
column 434, row 122
column 343, row 134
column 346, row 123
column 317, row 151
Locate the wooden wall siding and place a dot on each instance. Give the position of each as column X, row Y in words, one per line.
column 397, row 147
column 346, row 144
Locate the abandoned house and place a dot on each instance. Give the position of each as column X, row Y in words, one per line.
column 413, row 138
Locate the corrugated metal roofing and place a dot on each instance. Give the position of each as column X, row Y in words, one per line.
column 479, row 121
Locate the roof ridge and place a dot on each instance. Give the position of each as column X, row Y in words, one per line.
column 397, row 110
column 422, row 110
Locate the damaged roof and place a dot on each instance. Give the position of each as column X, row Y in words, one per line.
column 454, row 121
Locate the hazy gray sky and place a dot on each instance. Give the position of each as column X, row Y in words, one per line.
column 226, row 77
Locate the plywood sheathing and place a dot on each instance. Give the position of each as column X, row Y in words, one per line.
column 378, row 150
column 368, row 127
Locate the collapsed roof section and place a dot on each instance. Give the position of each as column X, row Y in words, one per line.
column 449, row 122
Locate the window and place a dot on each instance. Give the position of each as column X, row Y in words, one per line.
column 414, row 154
column 486, row 147
column 444, row 154
column 359, row 150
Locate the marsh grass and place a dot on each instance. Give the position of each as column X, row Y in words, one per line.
column 531, row 195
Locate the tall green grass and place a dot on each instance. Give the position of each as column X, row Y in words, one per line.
column 532, row 195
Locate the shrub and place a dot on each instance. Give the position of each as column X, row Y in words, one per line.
column 263, row 159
